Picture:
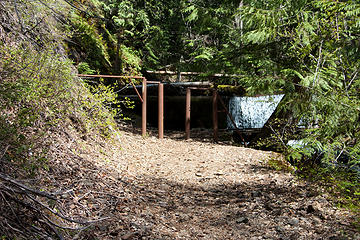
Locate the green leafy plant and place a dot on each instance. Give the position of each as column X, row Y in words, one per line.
column 279, row 164
column 84, row 68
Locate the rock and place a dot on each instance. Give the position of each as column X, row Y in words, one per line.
column 279, row 229
column 129, row 236
column 310, row 209
column 277, row 212
column 318, row 208
column 268, row 206
column 294, row 221
column 221, row 222
column 338, row 238
column 163, row 204
column 102, row 228
column 218, row 173
column 242, row 220
column 316, row 220
column 311, row 194
column 114, row 233
column 255, row 194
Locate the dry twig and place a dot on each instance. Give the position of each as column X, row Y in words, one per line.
column 28, row 215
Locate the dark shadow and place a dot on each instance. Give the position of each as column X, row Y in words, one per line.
column 198, row 134
column 160, row 209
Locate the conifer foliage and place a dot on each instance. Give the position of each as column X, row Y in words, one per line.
column 307, row 49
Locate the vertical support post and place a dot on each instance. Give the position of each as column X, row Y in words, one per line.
column 143, row 112
column 161, row 111
column 187, row 113
column 215, row 115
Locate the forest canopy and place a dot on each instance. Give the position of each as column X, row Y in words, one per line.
column 307, row 49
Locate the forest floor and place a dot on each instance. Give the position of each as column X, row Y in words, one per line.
column 194, row 189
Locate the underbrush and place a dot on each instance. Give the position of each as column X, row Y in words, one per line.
column 326, row 163
column 41, row 98
column 46, row 113
column 341, row 185
column 38, row 94
column 338, row 181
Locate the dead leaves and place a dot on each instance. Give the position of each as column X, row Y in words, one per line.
column 173, row 189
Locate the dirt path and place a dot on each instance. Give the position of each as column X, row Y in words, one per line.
column 176, row 189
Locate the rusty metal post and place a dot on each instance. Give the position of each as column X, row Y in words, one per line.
column 161, row 111
column 215, row 116
column 187, row 113
column 143, row 112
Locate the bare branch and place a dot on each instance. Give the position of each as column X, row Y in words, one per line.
column 3, row 154
column 318, row 64
column 27, row 189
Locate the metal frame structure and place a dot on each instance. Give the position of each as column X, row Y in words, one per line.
column 143, row 99
column 188, row 110
column 160, row 107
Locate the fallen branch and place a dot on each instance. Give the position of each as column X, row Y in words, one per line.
column 30, row 216
column 25, row 188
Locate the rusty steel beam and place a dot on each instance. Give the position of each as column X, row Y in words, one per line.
column 215, row 116
column 161, row 111
column 143, row 110
column 194, row 73
column 187, row 113
column 137, row 92
column 114, row 76
column 110, row 76
column 160, row 108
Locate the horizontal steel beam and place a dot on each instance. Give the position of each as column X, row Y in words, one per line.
column 109, row 76
column 195, row 73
